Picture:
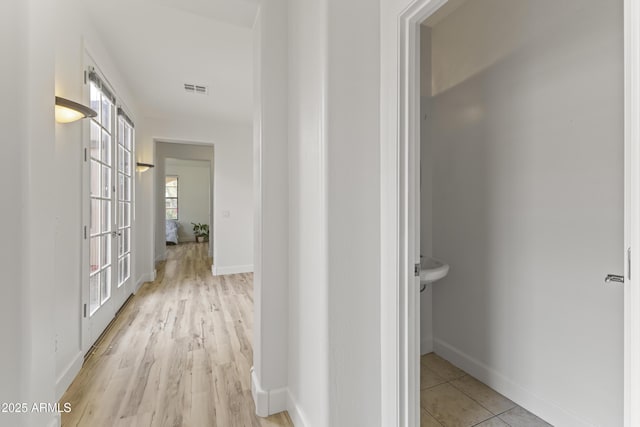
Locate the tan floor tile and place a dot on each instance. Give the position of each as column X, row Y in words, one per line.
column 441, row 367
column 487, row 397
column 520, row 417
column 428, row 378
column 426, row 420
column 493, row 422
column 451, row 407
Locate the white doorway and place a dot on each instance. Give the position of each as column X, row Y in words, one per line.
column 400, row 52
column 172, row 157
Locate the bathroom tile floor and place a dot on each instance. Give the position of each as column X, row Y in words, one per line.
column 449, row 397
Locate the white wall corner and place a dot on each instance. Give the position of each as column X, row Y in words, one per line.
column 147, row 277
column 529, row 400
column 232, row 269
column 426, row 345
column 68, row 375
column 268, row 402
column 295, row 412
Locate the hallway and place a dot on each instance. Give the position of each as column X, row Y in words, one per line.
column 179, row 354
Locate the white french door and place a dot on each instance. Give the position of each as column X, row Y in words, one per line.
column 108, row 170
column 125, row 141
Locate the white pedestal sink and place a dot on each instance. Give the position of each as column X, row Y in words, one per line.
column 432, row 269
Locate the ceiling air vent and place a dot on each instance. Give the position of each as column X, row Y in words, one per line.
column 191, row 88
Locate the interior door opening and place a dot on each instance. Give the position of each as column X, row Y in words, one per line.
column 515, row 145
column 184, row 195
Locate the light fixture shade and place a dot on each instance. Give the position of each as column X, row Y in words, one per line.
column 68, row 111
column 143, row 167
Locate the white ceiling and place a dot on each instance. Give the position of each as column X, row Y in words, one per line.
column 159, row 45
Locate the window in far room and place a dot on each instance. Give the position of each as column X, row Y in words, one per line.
column 171, row 197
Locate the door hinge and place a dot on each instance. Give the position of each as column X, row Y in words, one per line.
column 416, row 270
column 85, row 77
column 85, row 232
column 85, row 310
column 85, row 154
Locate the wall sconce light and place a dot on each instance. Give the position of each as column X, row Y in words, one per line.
column 143, row 167
column 68, row 111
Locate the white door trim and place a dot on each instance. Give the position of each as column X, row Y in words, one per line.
column 632, row 213
column 400, row 184
column 399, row 103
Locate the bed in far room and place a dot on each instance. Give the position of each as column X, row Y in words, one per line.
column 171, row 230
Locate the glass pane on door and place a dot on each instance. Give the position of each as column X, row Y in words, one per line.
column 125, row 199
column 101, row 203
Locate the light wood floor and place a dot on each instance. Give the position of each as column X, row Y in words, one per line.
column 179, row 354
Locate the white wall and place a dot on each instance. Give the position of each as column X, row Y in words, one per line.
column 75, row 34
column 27, row 362
column 194, row 194
column 13, row 30
column 308, row 289
column 353, row 211
column 528, row 202
column 233, row 206
column 334, row 319
column 271, row 211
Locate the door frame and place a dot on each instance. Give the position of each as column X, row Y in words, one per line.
column 400, row 140
column 631, row 212
column 400, row 167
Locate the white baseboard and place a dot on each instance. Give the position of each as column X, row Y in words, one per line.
column 295, row 412
column 68, row 375
column 426, row 345
column 148, row 277
column 232, row 269
column 546, row 410
column 268, row 402
column 56, row 421
column 275, row 401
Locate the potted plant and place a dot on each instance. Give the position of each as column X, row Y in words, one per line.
column 201, row 231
